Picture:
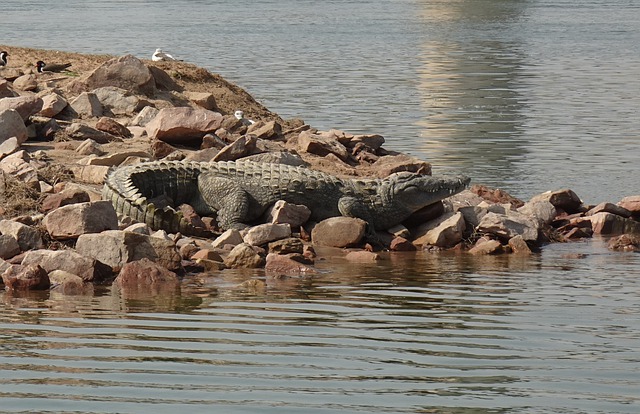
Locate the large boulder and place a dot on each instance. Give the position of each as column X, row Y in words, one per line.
column 73, row 220
column 25, row 105
column 183, row 124
column 67, row 260
column 445, row 231
column 12, row 125
column 125, row 72
column 339, row 232
column 115, row 248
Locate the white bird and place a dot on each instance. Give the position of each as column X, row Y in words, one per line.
column 159, row 55
column 240, row 115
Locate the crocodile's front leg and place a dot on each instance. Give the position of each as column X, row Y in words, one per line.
column 226, row 197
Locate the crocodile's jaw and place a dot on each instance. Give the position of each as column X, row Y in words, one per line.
column 415, row 192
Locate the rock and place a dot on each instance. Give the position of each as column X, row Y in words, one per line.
column 519, row 245
column 181, row 125
column 425, row 214
column 612, row 224
column 293, row 214
column 362, row 256
column 12, row 126
column 230, row 237
column 115, row 248
column 631, row 204
column 486, row 247
column 472, row 215
column 445, row 231
column 279, row 157
column 565, row 199
column 90, row 147
column 87, row 104
column 69, row 261
column 243, row 256
column 112, row 127
column 118, row 101
column 508, row 226
column 265, row 233
column 609, row 208
column 400, row 244
column 268, row 130
column 52, row 105
column 25, row 105
column 92, row 174
column 139, row 228
column 82, row 132
column 543, row 211
column 625, row 242
column 9, row 246
column 339, row 232
column 319, row 145
column 20, row 278
column 389, row 164
column 18, row 165
column 286, row 246
column 206, row 254
column 496, row 195
column 9, row 146
column 144, row 116
column 125, row 72
column 204, row 100
column 63, row 198
column 27, row 82
column 6, row 89
column 74, row 220
column 27, row 237
column 240, row 148
column 146, row 279
column 113, row 159
column 286, row 265
column 68, row 283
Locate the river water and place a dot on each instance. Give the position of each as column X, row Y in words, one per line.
column 524, row 95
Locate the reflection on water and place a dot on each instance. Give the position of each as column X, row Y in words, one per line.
column 431, row 332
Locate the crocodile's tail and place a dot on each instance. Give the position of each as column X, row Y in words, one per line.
column 130, row 188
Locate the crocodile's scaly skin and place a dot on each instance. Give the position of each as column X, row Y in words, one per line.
column 240, row 192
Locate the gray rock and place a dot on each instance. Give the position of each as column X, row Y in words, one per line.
column 144, row 116
column 115, row 248
column 265, row 233
column 564, row 199
column 118, row 101
column 445, row 231
column 27, row 237
column 82, row 132
column 12, row 125
column 542, row 210
column 87, row 104
column 67, row 260
column 508, row 226
column 125, row 72
column 9, row 146
column 9, row 246
column 609, row 208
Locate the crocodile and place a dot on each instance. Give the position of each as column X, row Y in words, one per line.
column 239, row 192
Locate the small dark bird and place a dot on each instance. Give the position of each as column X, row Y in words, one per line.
column 3, row 58
column 43, row 67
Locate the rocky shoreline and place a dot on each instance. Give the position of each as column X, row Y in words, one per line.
column 60, row 132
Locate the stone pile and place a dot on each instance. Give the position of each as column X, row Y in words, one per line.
column 127, row 111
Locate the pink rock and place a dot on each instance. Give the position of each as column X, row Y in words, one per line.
column 24, row 105
column 183, row 124
column 607, row 223
column 290, row 265
column 487, row 247
column 12, row 125
column 31, row 277
column 338, row 232
column 445, row 231
column 362, row 256
column 63, row 198
column 632, row 204
column 144, row 278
